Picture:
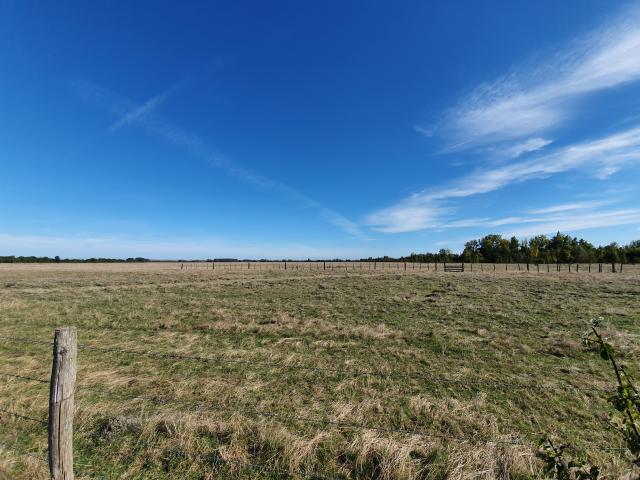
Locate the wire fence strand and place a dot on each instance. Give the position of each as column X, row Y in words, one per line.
column 434, row 379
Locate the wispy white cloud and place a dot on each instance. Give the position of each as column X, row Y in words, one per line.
column 568, row 217
column 528, row 146
column 148, row 118
column 405, row 218
column 576, row 222
column 427, row 132
column 422, row 210
column 137, row 113
column 565, row 207
column 538, row 98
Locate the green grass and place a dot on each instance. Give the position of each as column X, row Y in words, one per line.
column 203, row 419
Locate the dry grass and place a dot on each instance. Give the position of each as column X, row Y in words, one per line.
column 197, row 419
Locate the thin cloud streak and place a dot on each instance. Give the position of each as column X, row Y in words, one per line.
column 565, row 218
column 137, row 113
column 528, row 146
column 534, row 101
column 577, row 222
column 601, row 157
column 573, row 206
column 145, row 117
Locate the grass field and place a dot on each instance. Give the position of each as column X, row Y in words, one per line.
column 454, row 363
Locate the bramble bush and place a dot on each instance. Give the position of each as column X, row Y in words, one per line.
column 626, row 418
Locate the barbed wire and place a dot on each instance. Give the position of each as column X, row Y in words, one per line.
column 23, row 417
column 338, row 371
column 330, row 370
column 198, row 408
column 23, row 377
column 25, row 340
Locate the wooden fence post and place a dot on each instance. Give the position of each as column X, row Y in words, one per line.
column 61, row 403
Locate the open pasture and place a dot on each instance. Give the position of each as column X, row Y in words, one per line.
column 245, row 372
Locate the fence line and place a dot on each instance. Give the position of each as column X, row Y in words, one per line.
column 23, row 417
column 613, row 267
column 60, row 453
column 434, row 379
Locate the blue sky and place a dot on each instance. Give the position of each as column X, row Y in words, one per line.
column 315, row 129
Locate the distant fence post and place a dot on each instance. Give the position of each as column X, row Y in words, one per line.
column 61, row 403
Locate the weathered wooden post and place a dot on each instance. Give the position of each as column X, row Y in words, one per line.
column 61, row 403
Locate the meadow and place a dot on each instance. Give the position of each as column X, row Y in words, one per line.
column 309, row 373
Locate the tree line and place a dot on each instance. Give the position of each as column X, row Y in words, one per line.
column 492, row 248
column 57, row 259
column 540, row 249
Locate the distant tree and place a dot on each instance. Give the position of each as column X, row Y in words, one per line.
column 514, row 250
column 611, row 253
column 471, row 252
